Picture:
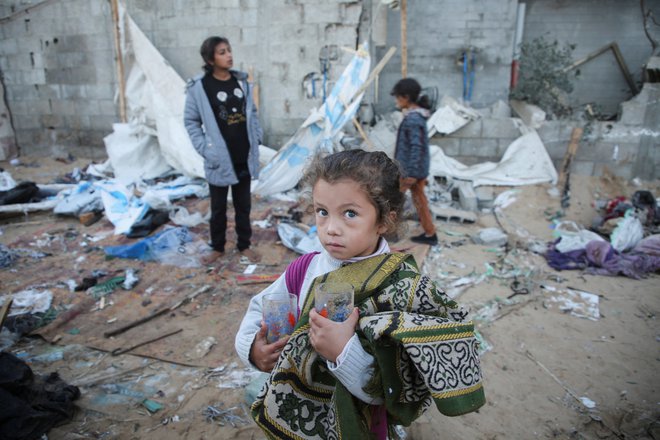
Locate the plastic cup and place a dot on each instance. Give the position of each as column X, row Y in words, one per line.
column 279, row 314
column 334, row 300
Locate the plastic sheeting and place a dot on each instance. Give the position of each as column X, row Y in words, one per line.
column 319, row 132
column 525, row 162
column 450, row 117
column 155, row 100
column 134, row 155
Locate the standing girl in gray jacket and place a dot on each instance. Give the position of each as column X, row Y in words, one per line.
column 222, row 122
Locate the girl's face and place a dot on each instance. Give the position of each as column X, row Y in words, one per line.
column 346, row 220
column 402, row 102
column 222, row 57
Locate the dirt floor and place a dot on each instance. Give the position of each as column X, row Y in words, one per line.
column 548, row 371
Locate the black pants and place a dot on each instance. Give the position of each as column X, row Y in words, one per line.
column 241, row 197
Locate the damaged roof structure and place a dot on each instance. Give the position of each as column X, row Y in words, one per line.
column 545, row 199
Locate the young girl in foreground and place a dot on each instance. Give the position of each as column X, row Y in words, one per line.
column 405, row 346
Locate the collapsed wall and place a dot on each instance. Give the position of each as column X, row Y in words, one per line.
column 629, row 147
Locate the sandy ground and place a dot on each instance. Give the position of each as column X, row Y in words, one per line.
column 547, row 372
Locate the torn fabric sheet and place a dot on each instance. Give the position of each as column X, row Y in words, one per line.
column 134, row 155
column 162, row 100
column 525, row 162
column 319, row 132
column 122, row 208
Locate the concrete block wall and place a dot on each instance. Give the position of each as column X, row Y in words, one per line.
column 58, row 71
column 438, row 33
column 60, row 76
column 280, row 40
column 628, row 148
column 590, row 25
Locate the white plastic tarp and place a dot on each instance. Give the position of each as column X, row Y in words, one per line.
column 451, row 116
column 155, row 100
column 525, row 162
column 319, row 132
column 133, row 154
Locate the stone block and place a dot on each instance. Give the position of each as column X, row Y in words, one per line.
column 289, row 15
column 466, row 195
column 8, row 46
column 72, row 91
column 481, row 148
column 502, row 145
column 350, row 12
column 549, row 131
column 450, row 146
column 26, row 122
column 51, row 120
column 339, row 34
column 499, row 128
column 64, row 107
column 322, row 13
column 621, row 133
column 470, row 130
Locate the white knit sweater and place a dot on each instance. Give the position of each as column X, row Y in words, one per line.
column 353, row 367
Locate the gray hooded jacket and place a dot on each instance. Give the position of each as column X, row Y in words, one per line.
column 207, row 139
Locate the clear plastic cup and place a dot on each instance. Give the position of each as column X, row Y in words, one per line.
column 334, row 300
column 279, row 314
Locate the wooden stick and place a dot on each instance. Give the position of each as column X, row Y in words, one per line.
column 404, row 38
column 120, row 61
column 255, row 87
column 568, row 390
column 573, row 145
column 374, row 74
column 363, row 134
column 5, row 311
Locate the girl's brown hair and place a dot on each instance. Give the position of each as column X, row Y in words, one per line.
column 377, row 175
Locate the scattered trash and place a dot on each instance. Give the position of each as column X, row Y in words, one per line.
column 216, row 414
column 7, row 256
column 152, row 406
column 628, row 232
column 490, row 237
column 576, row 302
column 130, row 279
column 174, row 245
column 587, row 402
column 28, row 301
column 298, row 240
column 573, row 237
column 31, row 403
column 202, row 348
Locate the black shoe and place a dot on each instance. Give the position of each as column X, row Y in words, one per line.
column 424, row 239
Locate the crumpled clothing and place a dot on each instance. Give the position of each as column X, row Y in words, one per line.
column 31, row 405
column 600, row 258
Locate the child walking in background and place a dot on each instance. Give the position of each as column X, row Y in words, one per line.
column 412, row 152
column 404, row 346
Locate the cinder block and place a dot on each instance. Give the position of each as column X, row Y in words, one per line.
column 64, row 107
column 481, row 148
column 8, row 46
column 621, row 133
column 466, row 195
column 321, row 13
column 470, row 130
column 450, row 146
column 350, row 12
column 502, row 145
column 499, row 128
column 26, row 122
column 339, row 34
column 291, row 15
